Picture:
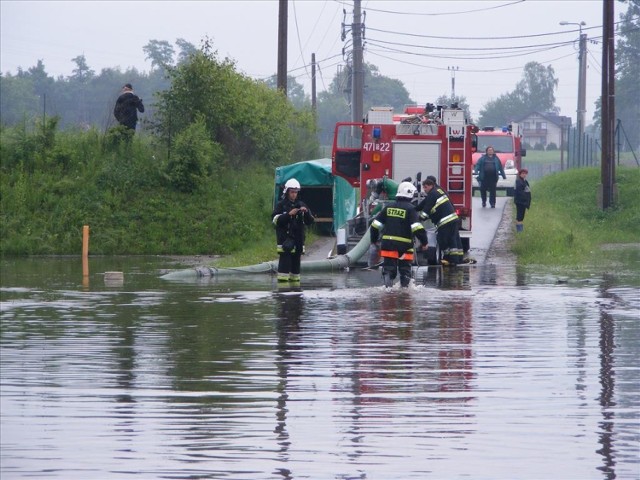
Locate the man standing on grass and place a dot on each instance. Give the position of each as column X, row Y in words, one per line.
column 127, row 107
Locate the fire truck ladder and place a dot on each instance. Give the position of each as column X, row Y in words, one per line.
column 456, row 170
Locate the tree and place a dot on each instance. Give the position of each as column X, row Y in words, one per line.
column 461, row 101
column 295, row 91
column 381, row 90
column 17, row 100
column 334, row 104
column 82, row 73
column 627, row 100
column 42, row 83
column 249, row 120
column 534, row 93
column 186, row 50
column 160, row 52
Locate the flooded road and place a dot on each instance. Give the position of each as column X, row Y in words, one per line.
column 483, row 372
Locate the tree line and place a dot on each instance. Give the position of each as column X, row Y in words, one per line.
column 85, row 99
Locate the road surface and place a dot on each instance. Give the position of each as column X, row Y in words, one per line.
column 485, row 222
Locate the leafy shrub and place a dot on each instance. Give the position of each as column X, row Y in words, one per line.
column 538, row 146
column 193, row 158
column 552, row 146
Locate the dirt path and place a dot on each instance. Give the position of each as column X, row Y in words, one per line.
column 500, row 250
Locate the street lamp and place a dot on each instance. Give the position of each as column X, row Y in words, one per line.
column 581, row 24
column 582, row 84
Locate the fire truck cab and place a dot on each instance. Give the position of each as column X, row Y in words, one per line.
column 420, row 142
column 507, row 143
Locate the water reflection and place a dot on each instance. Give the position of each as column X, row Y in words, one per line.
column 607, row 382
column 290, row 306
column 493, row 372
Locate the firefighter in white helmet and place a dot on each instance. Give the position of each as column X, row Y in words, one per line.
column 396, row 225
column 290, row 216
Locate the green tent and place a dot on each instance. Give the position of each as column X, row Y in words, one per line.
column 332, row 199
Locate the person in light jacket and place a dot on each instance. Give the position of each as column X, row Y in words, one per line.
column 488, row 168
column 522, row 198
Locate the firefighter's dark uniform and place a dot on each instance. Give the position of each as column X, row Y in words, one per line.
column 290, row 237
column 398, row 223
column 438, row 208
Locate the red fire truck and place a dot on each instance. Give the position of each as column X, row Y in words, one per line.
column 420, row 142
column 507, row 143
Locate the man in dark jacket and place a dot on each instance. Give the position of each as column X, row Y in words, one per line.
column 289, row 216
column 488, row 168
column 438, row 208
column 399, row 223
column 127, row 107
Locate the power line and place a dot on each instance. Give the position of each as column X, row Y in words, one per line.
column 518, row 47
column 441, row 13
column 477, row 56
column 436, row 37
column 492, row 70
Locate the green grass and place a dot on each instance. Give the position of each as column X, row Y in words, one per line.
column 542, row 156
column 121, row 191
column 565, row 225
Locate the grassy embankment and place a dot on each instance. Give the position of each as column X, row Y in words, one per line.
column 48, row 192
column 565, row 226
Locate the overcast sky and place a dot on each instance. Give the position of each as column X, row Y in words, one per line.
column 414, row 41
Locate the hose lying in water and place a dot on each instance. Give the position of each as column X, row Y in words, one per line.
column 333, row 264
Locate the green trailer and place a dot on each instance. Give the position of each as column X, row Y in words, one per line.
column 332, row 199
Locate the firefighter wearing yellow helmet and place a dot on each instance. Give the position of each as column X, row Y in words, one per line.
column 396, row 225
column 289, row 217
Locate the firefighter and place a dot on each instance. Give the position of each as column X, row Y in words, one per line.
column 289, row 217
column 397, row 224
column 438, row 208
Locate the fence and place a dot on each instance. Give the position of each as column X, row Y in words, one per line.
column 582, row 150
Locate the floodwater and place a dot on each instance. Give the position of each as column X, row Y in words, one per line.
column 480, row 372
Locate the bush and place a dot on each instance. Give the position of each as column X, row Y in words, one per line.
column 538, row 146
column 552, row 146
column 193, row 158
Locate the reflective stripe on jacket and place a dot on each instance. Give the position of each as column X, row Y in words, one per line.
column 397, row 224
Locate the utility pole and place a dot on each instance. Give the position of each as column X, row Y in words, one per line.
column 582, row 86
column 582, row 83
column 607, row 164
column 358, row 68
column 313, row 83
column 453, row 82
column 283, row 18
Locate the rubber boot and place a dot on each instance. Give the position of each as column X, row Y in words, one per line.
column 388, row 281
column 519, row 227
column 404, row 281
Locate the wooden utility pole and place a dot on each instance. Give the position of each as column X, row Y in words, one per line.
column 358, row 67
column 283, row 19
column 608, row 115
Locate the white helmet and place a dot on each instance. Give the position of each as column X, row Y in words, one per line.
column 406, row 190
column 291, row 183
